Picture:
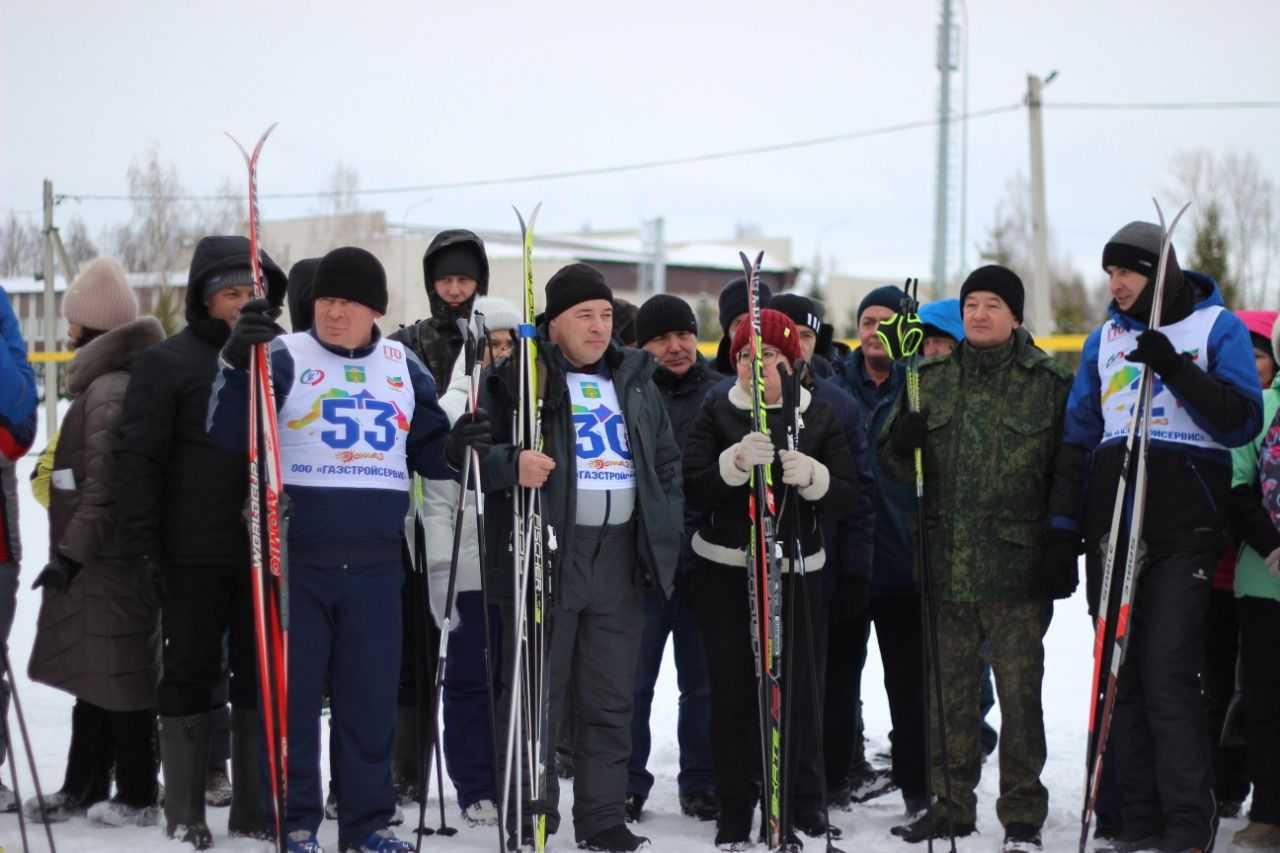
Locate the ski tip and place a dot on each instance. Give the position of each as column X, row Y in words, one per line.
column 263, row 138
column 520, row 216
column 243, row 150
column 533, row 217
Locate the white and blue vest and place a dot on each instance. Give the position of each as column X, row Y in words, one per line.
column 605, row 470
column 1170, row 421
column 345, row 421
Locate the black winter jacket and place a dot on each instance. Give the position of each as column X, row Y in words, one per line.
column 659, row 502
column 724, row 533
column 181, row 497
column 437, row 340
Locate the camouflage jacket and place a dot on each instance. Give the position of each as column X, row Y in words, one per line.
column 995, row 422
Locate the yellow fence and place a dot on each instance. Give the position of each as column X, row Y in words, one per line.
column 1049, row 343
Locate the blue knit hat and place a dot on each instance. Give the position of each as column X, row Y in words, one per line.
column 943, row 316
column 888, row 296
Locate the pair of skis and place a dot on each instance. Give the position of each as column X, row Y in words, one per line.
column 267, row 513
column 1112, row 634
column 902, row 336
column 764, row 584
column 529, row 735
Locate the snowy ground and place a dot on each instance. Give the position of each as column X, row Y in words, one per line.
column 866, row 827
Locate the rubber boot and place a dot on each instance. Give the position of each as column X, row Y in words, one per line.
column 248, row 812
column 405, row 760
column 184, row 754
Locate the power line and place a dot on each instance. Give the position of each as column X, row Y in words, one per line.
column 572, row 173
column 693, row 158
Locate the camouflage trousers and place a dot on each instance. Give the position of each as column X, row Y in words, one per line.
column 1015, row 632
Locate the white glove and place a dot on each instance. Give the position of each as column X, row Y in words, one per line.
column 755, row 449
column 797, row 468
column 1273, row 563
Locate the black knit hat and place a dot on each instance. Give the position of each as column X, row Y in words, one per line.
column 661, row 314
column 733, row 301
column 799, row 308
column 458, row 259
column 1001, row 281
column 299, row 296
column 886, row 296
column 351, row 273
column 573, row 284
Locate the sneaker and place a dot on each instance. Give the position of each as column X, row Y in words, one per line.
column 58, row 806
column 217, row 788
column 481, row 813
column 633, row 807
column 115, row 812
column 813, row 823
column 8, row 801
column 867, row 782
column 1021, row 838
column 301, row 841
column 703, row 805
column 933, row 824
column 382, row 841
column 615, row 839
column 735, row 846
column 1257, row 837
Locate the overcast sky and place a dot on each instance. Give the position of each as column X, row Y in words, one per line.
column 423, row 93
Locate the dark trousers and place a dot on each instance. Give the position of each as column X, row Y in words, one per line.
column 718, row 595
column 1260, row 679
column 897, row 622
column 662, row 619
column 204, row 605
column 842, row 697
column 468, row 745
column 1160, row 727
column 345, row 624
column 596, row 628
column 1221, row 648
column 103, row 741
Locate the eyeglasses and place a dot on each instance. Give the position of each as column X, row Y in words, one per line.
column 769, row 356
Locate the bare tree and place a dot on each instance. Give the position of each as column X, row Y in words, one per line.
column 1246, row 200
column 1076, row 307
column 20, row 245
column 75, row 239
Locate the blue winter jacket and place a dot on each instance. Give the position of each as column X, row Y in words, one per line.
column 17, row 386
column 892, row 572
column 1188, row 491
column 340, row 527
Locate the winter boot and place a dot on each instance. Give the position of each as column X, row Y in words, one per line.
column 481, row 813
column 58, row 806
column 702, row 805
column 405, row 760
column 184, row 755
column 1257, row 837
column 1021, row 838
column 933, row 824
column 615, row 839
column 248, row 817
column 116, row 812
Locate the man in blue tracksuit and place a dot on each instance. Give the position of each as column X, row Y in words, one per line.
column 1206, row 400
column 357, row 412
column 876, row 382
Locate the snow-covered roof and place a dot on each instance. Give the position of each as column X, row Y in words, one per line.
column 31, row 284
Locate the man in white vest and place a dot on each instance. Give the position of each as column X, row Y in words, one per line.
column 1206, row 400
column 357, row 413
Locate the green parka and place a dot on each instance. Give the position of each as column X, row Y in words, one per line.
column 995, row 423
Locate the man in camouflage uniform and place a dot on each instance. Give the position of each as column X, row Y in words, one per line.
column 990, row 428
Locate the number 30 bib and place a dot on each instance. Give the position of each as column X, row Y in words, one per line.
column 601, row 451
column 345, row 421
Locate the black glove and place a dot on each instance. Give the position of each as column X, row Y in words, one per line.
column 58, row 574
column 1060, row 570
column 472, row 430
column 254, row 326
column 149, row 583
column 1155, row 351
column 910, row 433
column 849, row 599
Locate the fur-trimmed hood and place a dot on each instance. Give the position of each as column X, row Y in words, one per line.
column 113, row 350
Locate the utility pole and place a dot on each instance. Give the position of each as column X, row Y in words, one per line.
column 942, row 190
column 1040, row 316
column 50, row 318
column 652, row 269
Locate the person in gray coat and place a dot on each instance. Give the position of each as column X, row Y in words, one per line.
column 95, row 638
